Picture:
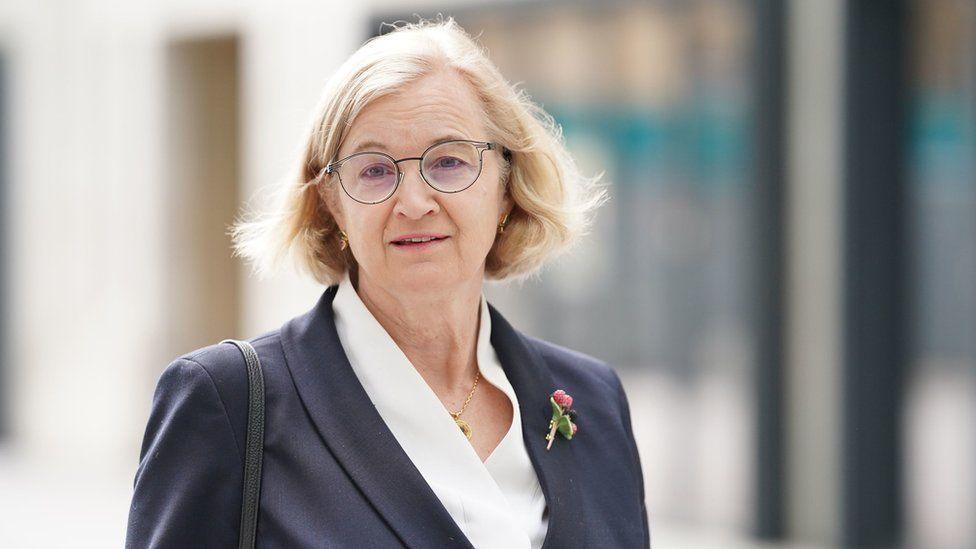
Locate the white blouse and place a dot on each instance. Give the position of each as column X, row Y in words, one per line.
column 498, row 503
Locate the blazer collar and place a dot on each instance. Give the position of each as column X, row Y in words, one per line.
column 368, row 451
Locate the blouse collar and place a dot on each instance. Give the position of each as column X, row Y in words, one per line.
column 372, row 345
column 426, row 431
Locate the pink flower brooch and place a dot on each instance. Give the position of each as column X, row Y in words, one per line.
column 562, row 416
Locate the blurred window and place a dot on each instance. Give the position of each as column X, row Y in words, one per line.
column 940, row 438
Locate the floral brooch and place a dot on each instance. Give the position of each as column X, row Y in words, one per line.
column 562, row 416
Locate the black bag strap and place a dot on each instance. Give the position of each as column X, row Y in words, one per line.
column 254, row 451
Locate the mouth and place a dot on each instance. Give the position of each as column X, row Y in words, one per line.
column 419, row 243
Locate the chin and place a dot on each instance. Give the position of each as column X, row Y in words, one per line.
column 426, row 277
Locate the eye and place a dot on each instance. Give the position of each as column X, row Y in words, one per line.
column 449, row 163
column 375, row 171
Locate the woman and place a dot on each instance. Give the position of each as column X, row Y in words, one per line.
column 403, row 410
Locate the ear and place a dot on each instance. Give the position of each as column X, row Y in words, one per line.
column 507, row 202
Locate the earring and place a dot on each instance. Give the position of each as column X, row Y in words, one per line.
column 501, row 226
column 343, row 240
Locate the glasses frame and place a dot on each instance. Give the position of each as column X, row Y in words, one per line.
column 482, row 146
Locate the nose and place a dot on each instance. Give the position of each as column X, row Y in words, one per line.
column 414, row 197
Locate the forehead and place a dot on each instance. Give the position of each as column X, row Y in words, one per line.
column 428, row 109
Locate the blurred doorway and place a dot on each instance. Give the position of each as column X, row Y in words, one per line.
column 202, row 186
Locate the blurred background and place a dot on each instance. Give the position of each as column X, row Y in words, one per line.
column 785, row 275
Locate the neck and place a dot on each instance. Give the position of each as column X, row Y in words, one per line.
column 436, row 330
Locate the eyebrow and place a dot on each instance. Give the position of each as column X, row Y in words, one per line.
column 376, row 145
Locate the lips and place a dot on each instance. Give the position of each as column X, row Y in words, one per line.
column 411, row 243
column 414, row 239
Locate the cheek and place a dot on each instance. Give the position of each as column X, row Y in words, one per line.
column 480, row 213
column 367, row 223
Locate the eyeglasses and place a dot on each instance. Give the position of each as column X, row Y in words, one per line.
column 449, row 167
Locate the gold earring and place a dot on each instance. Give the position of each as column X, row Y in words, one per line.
column 501, row 226
column 343, row 240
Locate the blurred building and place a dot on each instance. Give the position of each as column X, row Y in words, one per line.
column 785, row 275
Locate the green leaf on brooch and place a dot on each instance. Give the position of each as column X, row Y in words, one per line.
column 566, row 427
column 557, row 410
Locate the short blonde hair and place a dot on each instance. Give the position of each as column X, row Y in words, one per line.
column 553, row 201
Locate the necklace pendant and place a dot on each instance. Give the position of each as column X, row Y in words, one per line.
column 465, row 428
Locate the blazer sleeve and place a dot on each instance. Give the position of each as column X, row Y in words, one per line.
column 188, row 485
column 625, row 414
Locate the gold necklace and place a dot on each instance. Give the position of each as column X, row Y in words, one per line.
column 465, row 428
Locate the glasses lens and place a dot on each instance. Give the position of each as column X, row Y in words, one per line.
column 368, row 177
column 452, row 166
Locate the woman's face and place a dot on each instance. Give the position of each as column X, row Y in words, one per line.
column 434, row 108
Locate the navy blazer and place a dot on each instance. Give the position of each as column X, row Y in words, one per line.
column 335, row 476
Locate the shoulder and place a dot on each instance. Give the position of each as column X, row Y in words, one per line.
column 188, row 484
column 224, row 363
column 219, row 358
column 214, row 376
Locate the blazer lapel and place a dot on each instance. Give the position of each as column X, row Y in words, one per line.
column 557, row 467
column 356, row 434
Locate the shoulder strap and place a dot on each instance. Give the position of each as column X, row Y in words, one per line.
column 254, row 451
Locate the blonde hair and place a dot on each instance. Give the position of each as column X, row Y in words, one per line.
column 553, row 201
